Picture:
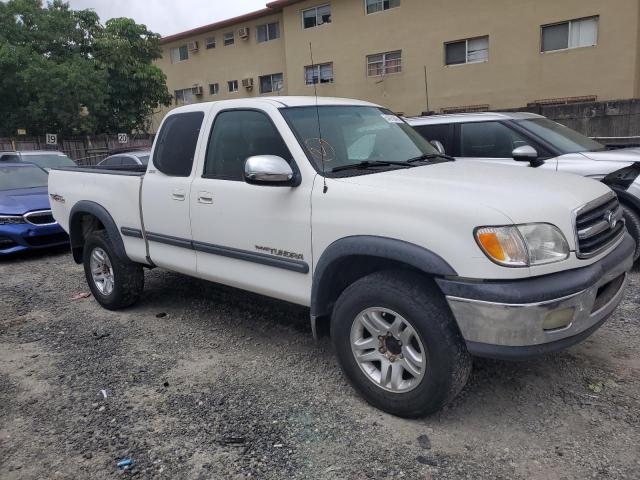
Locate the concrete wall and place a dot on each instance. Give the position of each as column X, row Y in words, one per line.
column 515, row 74
column 618, row 118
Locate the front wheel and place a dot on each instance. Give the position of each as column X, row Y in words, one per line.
column 398, row 343
column 115, row 283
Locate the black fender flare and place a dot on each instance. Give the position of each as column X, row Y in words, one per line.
column 77, row 235
column 369, row 246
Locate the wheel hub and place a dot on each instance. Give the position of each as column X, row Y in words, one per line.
column 102, row 271
column 388, row 349
column 390, row 345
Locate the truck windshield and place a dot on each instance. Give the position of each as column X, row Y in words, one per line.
column 561, row 137
column 355, row 135
column 15, row 177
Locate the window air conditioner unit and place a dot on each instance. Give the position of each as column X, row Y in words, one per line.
column 192, row 46
column 247, row 83
column 243, row 32
column 197, row 90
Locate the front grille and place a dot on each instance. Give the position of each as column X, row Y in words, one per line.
column 599, row 225
column 43, row 217
column 44, row 240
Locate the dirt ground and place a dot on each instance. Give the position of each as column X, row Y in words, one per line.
column 204, row 381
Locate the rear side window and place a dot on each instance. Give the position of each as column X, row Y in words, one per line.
column 176, row 144
column 238, row 135
column 442, row 133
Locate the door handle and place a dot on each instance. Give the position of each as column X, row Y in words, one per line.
column 205, row 197
column 178, row 195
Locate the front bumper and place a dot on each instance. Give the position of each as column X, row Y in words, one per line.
column 519, row 319
column 25, row 236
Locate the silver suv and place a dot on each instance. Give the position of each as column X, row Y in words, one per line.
column 526, row 139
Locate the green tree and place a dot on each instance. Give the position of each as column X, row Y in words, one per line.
column 136, row 87
column 62, row 71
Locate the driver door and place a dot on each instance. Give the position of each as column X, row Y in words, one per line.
column 254, row 237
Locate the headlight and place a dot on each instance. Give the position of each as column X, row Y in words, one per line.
column 523, row 245
column 10, row 219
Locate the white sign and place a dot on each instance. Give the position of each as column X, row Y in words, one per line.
column 123, row 138
column 52, row 139
column 392, row 119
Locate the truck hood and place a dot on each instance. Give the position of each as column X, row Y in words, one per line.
column 23, row 200
column 622, row 155
column 523, row 195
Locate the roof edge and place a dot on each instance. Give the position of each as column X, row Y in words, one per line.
column 273, row 7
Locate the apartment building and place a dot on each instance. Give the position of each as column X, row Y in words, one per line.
column 414, row 55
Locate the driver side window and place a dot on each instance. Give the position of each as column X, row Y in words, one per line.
column 489, row 140
column 238, row 135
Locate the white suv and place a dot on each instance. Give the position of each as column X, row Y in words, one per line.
column 527, row 139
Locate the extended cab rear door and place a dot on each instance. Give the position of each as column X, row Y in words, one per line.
column 165, row 192
column 254, row 237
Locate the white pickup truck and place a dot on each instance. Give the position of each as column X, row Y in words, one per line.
column 414, row 261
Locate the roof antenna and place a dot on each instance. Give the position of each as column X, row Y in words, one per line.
column 325, row 188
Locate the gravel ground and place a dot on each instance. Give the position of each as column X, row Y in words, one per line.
column 204, row 381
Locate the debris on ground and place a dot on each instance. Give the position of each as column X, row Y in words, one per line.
column 80, row 296
column 424, row 442
column 125, row 462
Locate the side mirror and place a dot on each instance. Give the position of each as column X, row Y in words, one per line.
column 525, row 153
column 268, row 170
column 438, row 146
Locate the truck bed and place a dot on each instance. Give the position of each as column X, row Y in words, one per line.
column 117, row 191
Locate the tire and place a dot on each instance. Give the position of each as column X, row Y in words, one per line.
column 126, row 277
column 632, row 220
column 421, row 306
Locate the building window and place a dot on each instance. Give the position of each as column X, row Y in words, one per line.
column 267, row 32
column 316, row 16
column 374, row 6
column 179, row 54
column 322, row 73
column 210, row 42
column 229, row 39
column 184, row 96
column 472, row 50
column 214, row 89
column 573, row 34
column 271, row 83
column 384, row 63
column 232, row 85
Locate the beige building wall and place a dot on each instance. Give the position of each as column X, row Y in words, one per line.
column 516, row 73
column 243, row 59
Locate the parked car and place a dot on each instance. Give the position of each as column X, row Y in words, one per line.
column 523, row 139
column 416, row 262
column 136, row 158
column 26, row 221
column 45, row 159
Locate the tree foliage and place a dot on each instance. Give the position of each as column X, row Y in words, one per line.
column 62, row 71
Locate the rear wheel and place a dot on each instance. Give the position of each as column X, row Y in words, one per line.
column 398, row 343
column 632, row 220
column 114, row 283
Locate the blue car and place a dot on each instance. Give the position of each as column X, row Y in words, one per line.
column 25, row 215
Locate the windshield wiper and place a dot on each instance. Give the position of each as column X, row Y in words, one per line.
column 371, row 164
column 430, row 156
